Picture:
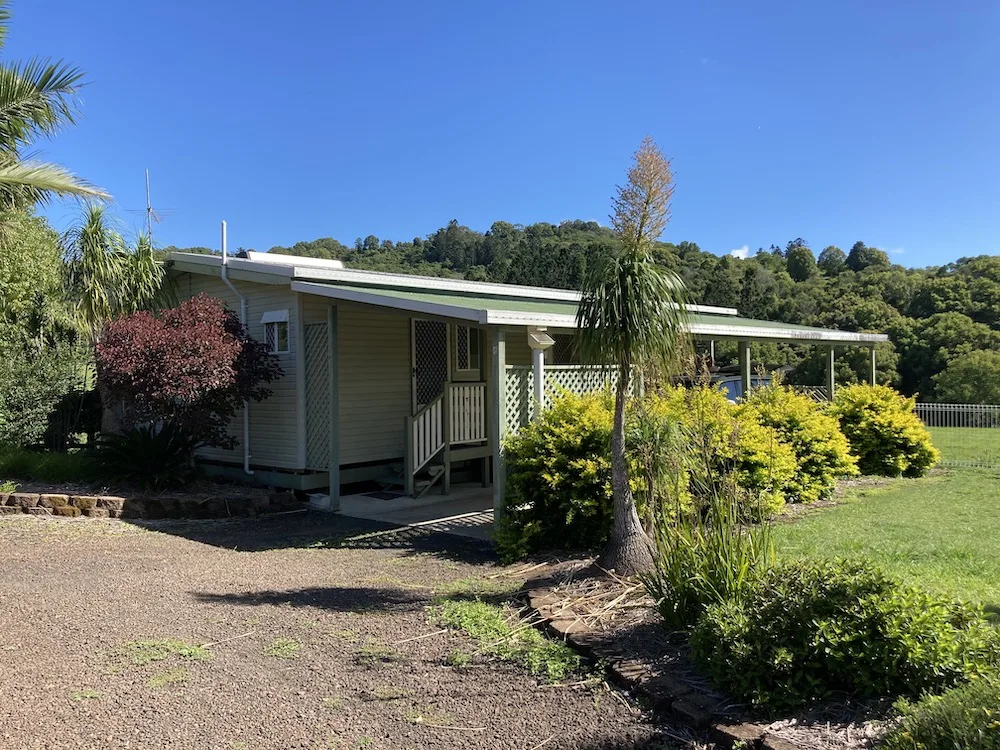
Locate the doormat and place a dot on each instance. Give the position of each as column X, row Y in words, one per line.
column 385, row 495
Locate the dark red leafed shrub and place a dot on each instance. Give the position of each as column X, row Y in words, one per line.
column 191, row 366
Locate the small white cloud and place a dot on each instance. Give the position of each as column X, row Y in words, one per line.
column 741, row 252
column 896, row 251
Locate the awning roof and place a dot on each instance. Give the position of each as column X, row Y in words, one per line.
column 494, row 310
column 482, row 303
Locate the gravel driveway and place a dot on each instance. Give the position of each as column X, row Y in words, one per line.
column 307, row 614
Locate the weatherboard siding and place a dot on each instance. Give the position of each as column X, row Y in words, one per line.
column 273, row 434
column 375, row 383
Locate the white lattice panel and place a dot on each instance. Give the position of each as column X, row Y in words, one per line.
column 577, row 379
column 317, row 398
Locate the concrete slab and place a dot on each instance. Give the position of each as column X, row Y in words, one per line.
column 467, row 511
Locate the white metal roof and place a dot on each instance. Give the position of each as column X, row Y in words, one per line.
column 484, row 303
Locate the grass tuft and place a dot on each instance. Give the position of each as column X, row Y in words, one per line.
column 509, row 639
column 145, row 652
column 86, row 695
column 282, row 648
column 169, row 677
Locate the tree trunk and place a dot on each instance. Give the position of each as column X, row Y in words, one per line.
column 629, row 550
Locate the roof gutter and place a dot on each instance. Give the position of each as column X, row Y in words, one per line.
column 243, row 321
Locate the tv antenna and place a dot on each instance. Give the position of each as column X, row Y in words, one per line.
column 152, row 215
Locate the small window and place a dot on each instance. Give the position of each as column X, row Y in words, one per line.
column 467, row 356
column 276, row 331
column 276, row 335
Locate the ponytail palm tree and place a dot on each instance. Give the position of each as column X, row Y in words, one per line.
column 37, row 98
column 107, row 278
column 632, row 315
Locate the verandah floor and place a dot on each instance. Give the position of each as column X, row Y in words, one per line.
column 466, row 511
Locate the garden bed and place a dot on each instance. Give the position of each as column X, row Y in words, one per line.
column 615, row 621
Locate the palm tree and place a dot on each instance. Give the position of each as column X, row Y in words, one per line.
column 106, row 277
column 631, row 316
column 37, row 98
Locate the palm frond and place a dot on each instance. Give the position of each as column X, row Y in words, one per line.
column 5, row 16
column 36, row 97
column 631, row 313
column 42, row 180
column 105, row 276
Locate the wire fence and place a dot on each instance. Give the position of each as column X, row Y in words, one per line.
column 968, row 435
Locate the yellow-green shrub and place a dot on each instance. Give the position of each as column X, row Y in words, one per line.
column 884, row 431
column 559, row 478
column 727, row 441
column 821, row 449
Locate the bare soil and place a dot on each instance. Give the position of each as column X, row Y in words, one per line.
column 309, row 622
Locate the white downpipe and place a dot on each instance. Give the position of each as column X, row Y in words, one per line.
column 243, row 321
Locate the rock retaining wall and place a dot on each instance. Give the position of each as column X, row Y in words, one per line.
column 147, row 506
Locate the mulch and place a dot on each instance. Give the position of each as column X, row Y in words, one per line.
column 353, row 595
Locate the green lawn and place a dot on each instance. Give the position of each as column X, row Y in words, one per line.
column 941, row 532
column 968, row 446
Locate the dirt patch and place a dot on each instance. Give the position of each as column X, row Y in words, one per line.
column 284, row 632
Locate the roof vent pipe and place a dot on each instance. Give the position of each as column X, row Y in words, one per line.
column 243, row 321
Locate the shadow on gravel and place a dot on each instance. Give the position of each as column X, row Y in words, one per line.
column 312, row 530
column 334, row 598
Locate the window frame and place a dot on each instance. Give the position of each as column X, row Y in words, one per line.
column 473, row 354
column 273, row 320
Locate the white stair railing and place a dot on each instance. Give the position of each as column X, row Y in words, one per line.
column 424, row 433
column 467, row 412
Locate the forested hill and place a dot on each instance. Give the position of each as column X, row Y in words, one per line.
column 934, row 316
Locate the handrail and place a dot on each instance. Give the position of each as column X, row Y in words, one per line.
column 420, row 412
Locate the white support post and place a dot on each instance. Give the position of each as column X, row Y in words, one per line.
column 873, row 371
column 745, row 374
column 831, row 377
column 334, row 396
column 538, row 379
column 538, row 341
column 497, row 386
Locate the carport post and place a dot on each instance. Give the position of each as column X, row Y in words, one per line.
column 830, row 376
column 497, row 386
column 873, row 371
column 744, row 347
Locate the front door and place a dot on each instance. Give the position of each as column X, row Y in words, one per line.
column 430, row 361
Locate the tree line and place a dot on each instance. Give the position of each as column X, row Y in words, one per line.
column 938, row 318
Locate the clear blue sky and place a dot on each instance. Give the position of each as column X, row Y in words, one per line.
column 832, row 121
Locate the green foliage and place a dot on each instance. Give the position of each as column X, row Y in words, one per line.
column 972, row 378
column 966, row 717
column 282, row 648
column 33, row 381
column 140, row 653
column 559, row 467
column 706, row 557
column 38, row 466
column 500, row 637
column 801, row 263
column 884, row 432
column 147, row 457
column 729, row 443
column 821, row 449
column 108, row 278
column 37, row 99
column 806, row 631
column 559, row 479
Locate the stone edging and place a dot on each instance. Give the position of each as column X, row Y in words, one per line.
column 235, row 505
column 53, row 504
column 664, row 693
